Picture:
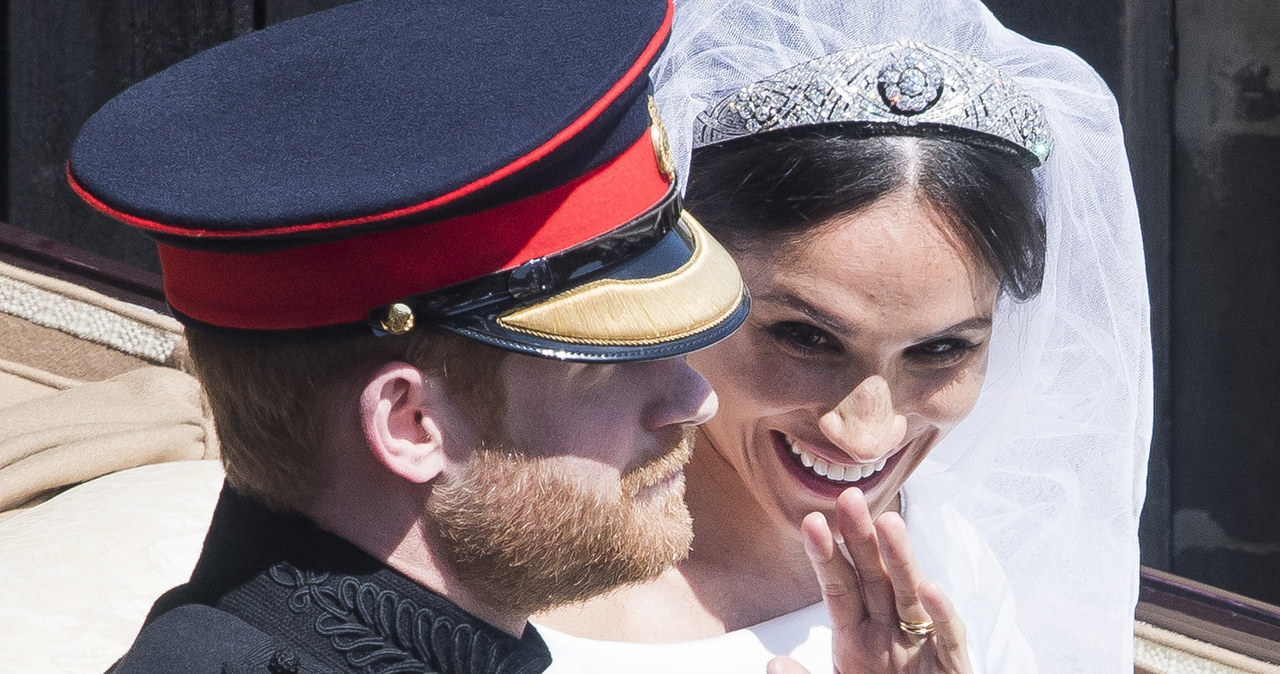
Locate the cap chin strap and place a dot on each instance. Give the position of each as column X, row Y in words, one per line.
column 539, row 278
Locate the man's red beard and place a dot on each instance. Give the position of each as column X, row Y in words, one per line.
column 522, row 537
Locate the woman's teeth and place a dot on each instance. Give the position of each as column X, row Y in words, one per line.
column 834, row 471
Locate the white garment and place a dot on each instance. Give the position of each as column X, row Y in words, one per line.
column 949, row 551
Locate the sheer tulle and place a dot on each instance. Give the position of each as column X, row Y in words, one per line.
column 1051, row 465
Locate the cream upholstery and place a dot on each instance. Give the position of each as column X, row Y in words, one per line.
column 106, row 486
column 1161, row 651
column 78, row 572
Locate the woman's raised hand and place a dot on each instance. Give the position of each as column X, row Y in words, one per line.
column 885, row 618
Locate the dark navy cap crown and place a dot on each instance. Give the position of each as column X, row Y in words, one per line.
column 364, row 166
column 363, row 110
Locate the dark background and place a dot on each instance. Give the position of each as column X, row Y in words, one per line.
column 1202, row 118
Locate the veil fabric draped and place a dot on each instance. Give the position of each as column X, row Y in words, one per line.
column 1051, row 464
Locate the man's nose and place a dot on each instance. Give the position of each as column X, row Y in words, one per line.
column 865, row 424
column 681, row 396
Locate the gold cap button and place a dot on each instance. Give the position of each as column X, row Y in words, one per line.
column 399, row 319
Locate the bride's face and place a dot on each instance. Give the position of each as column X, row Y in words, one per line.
column 867, row 342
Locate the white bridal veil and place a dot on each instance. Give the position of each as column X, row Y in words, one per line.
column 1051, row 465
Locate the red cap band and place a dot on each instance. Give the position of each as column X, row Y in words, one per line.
column 300, row 288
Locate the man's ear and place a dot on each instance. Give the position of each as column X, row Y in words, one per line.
column 397, row 413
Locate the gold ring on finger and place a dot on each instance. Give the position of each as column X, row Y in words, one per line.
column 920, row 629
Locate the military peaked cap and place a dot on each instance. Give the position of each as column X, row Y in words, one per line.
column 493, row 168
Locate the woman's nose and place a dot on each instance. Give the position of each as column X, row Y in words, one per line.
column 681, row 396
column 865, row 424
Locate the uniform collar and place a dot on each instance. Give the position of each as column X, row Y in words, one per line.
column 344, row 609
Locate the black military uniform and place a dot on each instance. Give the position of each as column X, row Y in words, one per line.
column 490, row 168
column 274, row 593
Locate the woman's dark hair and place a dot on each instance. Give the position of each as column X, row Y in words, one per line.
column 774, row 188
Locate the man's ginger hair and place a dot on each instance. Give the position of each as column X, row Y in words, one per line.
column 274, row 403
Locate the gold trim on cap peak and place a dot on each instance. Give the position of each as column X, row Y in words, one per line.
column 700, row 294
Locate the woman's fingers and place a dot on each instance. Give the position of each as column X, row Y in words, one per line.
column 838, row 581
column 876, row 588
column 948, row 636
column 853, row 518
column 784, row 665
column 904, row 571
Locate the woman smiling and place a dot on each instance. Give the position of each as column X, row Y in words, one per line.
column 947, row 354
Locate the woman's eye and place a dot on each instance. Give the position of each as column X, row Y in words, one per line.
column 936, row 348
column 942, row 351
column 803, row 337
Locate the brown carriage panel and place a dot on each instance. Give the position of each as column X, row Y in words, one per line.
column 56, row 352
column 1199, row 612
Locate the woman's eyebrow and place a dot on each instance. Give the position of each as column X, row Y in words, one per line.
column 975, row 323
column 793, row 301
column 837, row 325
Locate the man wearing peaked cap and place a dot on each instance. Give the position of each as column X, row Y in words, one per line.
column 437, row 283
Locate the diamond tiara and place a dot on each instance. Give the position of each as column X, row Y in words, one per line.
column 903, row 87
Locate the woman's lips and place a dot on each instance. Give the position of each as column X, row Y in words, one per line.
column 835, row 472
column 826, row 475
